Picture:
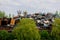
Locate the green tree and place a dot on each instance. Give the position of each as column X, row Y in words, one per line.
column 9, row 16
column 57, row 14
column 26, row 30
column 10, row 36
column 25, row 13
column 56, row 30
column 45, row 35
column 2, row 14
column 3, row 35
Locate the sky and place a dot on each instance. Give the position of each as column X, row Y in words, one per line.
column 31, row 6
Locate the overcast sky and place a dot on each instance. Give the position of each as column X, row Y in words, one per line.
column 11, row 6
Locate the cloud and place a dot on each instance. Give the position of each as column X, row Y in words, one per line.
column 11, row 6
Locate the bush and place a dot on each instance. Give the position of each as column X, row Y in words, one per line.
column 56, row 30
column 3, row 35
column 28, row 22
column 45, row 35
column 26, row 30
column 10, row 36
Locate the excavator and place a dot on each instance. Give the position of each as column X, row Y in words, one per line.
column 8, row 23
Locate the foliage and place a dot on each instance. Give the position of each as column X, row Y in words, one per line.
column 9, row 16
column 25, row 13
column 57, row 14
column 56, row 30
column 2, row 14
column 45, row 35
column 3, row 35
column 26, row 30
column 10, row 36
